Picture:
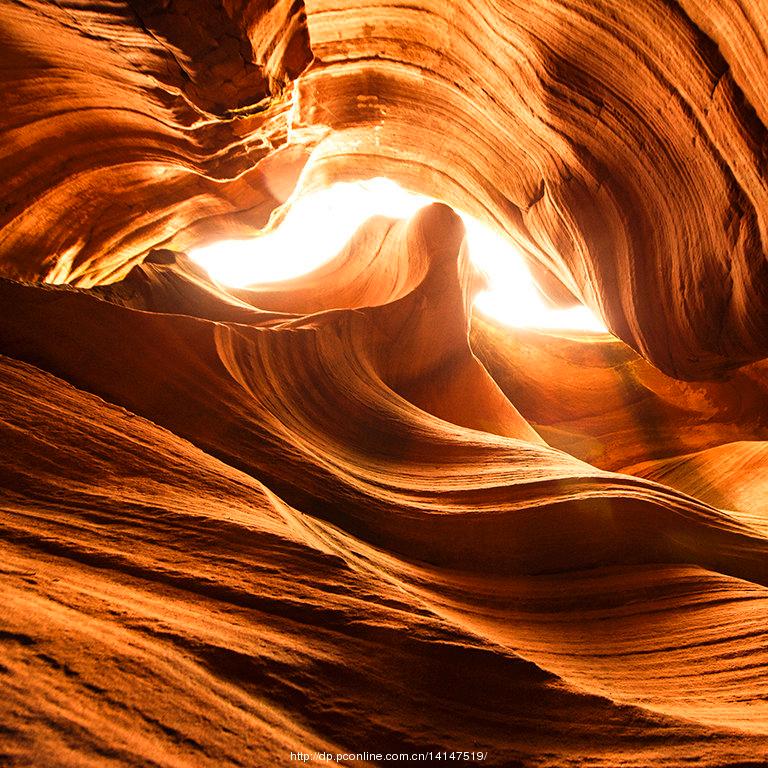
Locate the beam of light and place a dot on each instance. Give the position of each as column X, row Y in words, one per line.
column 318, row 226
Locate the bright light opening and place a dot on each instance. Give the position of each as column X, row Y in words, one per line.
column 318, row 226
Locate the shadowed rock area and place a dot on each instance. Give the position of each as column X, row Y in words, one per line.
column 342, row 513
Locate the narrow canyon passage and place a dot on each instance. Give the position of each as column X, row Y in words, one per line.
column 348, row 516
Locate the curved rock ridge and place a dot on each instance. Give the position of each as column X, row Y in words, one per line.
column 622, row 147
column 231, row 533
column 143, row 123
column 160, row 607
column 382, row 362
column 733, row 476
column 597, row 399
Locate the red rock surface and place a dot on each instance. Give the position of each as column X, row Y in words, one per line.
column 340, row 513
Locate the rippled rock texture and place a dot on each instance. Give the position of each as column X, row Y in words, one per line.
column 341, row 514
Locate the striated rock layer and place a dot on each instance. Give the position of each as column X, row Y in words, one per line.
column 339, row 513
column 624, row 148
column 231, row 533
column 126, row 124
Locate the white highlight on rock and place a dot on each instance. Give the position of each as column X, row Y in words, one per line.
column 318, row 226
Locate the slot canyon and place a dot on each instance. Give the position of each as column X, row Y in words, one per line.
column 347, row 516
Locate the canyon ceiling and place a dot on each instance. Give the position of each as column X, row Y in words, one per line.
column 343, row 512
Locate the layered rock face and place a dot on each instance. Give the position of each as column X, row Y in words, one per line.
column 341, row 514
column 624, row 149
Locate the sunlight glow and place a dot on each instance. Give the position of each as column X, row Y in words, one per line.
column 318, row 226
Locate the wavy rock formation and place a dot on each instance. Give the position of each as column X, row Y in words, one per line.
column 431, row 490
column 145, row 122
column 598, row 400
column 342, row 514
column 624, row 149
